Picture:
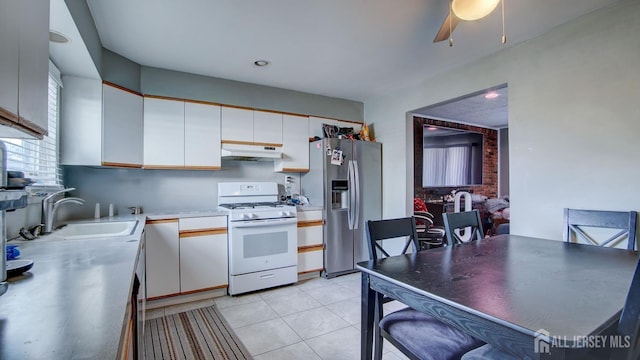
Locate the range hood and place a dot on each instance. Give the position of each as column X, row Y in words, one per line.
column 250, row 152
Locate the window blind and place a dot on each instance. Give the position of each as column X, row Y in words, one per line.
column 38, row 159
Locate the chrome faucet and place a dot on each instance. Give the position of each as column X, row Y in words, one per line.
column 49, row 207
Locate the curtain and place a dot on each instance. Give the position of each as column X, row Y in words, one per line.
column 446, row 166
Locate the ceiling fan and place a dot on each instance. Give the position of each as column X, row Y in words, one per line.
column 467, row 10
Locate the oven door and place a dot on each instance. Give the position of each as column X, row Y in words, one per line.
column 258, row 245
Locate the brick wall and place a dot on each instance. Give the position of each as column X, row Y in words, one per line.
column 489, row 185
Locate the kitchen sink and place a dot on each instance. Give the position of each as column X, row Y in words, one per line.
column 96, row 229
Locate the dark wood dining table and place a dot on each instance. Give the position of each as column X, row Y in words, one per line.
column 533, row 298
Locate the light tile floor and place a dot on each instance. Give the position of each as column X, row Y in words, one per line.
column 316, row 319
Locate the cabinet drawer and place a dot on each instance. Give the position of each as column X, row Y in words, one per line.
column 309, row 215
column 310, row 261
column 310, row 235
column 203, row 223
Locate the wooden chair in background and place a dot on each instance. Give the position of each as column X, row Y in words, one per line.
column 469, row 220
column 417, row 335
column 578, row 223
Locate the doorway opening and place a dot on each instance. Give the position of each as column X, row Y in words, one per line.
column 462, row 145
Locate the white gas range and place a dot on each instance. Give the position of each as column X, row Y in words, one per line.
column 263, row 241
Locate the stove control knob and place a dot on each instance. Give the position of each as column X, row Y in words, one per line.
column 286, row 213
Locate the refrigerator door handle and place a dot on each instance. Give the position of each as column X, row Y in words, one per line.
column 356, row 172
column 352, row 200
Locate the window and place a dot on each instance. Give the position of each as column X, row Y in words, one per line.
column 38, row 159
column 446, row 166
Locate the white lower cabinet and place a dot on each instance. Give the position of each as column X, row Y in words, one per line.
column 163, row 258
column 310, row 247
column 203, row 254
column 186, row 255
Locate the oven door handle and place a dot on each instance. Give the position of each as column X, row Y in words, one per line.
column 262, row 223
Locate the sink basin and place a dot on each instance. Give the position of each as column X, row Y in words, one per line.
column 96, row 229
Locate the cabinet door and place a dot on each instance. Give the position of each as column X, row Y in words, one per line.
column 163, row 133
column 9, row 58
column 309, row 261
column 309, row 235
column 203, row 261
column 121, row 127
column 81, row 122
column 295, row 144
column 34, row 63
column 163, row 258
column 237, row 125
column 201, row 136
column 267, row 128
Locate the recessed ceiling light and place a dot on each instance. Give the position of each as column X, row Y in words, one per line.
column 432, row 128
column 491, row 95
column 58, row 37
column 261, row 63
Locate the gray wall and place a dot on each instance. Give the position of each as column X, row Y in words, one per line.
column 161, row 82
column 81, row 15
column 120, row 70
column 196, row 87
column 573, row 120
column 159, row 190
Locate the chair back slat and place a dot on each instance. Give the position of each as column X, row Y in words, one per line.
column 462, row 220
column 378, row 230
column 575, row 220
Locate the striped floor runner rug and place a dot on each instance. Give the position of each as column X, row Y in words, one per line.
column 196, row 334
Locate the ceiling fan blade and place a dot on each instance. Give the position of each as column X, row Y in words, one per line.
column 443, row 33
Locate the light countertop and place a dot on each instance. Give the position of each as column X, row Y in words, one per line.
column 73, row 302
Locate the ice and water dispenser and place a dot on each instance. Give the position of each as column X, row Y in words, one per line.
column 339, row 194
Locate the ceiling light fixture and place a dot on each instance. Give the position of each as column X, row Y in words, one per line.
column 261, row 63
column 473, row 9
column 58, row 37
column 432, row 128
column 468, row 10
column 491, row 95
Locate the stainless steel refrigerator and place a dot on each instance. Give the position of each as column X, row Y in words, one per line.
column 345, row 178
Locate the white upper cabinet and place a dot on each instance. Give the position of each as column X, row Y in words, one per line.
column 237, row 125
column 33, row 89
column 295, row 144
column 181, row 135
column 201, row 136
column 245, row 126
column 267, row 128
column 24, row 67
column 163, row 133
column 81, row 122
column 122, row 112
column 100, row 124
column 9, row 58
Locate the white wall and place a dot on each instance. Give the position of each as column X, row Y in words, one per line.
column 573, row 120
